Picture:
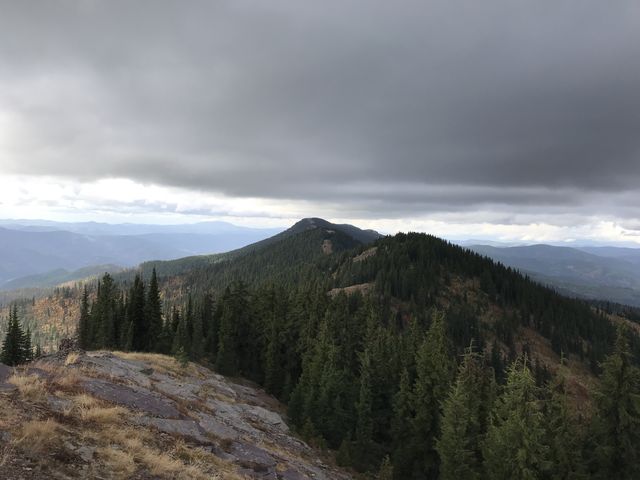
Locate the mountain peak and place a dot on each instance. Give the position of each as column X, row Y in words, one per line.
column 310, row 223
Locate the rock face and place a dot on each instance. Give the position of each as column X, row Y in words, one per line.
column 240, row 424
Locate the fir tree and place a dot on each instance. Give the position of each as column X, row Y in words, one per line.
column 27, row 347
column 563, row 433
column 401, row 428
column 364, row 421
column 233, row 352
column 104, row 314
column 514, row 447
column 165, row 340
column 434, row 369
column 459, row 445
column 386, row 470
column 136, row 314
column 210, row 327
column 84, row 323
column 13, row 348
column 153, row 313
column 617, row 417
column 197, row 338
column 181, row 339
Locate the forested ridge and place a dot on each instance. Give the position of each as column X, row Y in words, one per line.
column 426, row 375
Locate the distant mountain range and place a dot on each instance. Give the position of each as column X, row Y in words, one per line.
column 39, row 253
column 42, row 253
column 602, row 273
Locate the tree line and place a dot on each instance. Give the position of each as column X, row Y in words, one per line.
column 410, row 381
column 404, row 398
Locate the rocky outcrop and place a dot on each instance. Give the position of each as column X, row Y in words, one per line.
column 238, row 423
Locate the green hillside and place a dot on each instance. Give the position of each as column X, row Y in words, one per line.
column 363, row 342
column 305, row 252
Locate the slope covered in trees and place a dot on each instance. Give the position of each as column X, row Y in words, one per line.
column 385, row 374
column 302, row 254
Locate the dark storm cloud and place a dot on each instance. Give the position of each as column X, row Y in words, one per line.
column 403, row 106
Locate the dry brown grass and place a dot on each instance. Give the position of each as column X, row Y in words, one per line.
column 89, row 409
column 71, row 359
column 8, row 413
column 119, row 463
column 67, row 380
column 176, row 462
column 31, row 387
column 38, row 436
column 103, row 415
column 162, row 363
column 5, row 453
column 122, row 446
column 85, row 401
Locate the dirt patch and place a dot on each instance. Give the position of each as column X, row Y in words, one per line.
column 327, row 247
column 366, row 254
column 363, row 288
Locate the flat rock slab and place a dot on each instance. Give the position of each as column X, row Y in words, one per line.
column 109, row 364
column 264, row 416
column 217, row 428
column 135, row 399
column 269, row 474
column 183, row 428
column 290, row 474
column 251, row 457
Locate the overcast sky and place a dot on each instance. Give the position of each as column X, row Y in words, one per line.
column 503, row 119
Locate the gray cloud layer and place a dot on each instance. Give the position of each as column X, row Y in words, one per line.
column 409, row 105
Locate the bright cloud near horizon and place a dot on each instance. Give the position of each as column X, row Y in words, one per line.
column 503, row 120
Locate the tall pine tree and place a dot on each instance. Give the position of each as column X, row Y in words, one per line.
column 153, row 314
column 515, row 444
column 435, row 368
column 84, row 323
column 617, row 417
column 463, row 421
column 14, row 347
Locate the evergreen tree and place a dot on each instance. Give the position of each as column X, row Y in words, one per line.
column 165, row 340
column 104, row 314
column 13, row 348
column 153, row 314
column 136, row 316
column 617, row 417
column 386, row 470
column 233, row 338
column 434, row 369
column 514, row 447
column 364, row 422
column 401, row 429
column 459, row 445
column 27, row 347
column 197, row 338
column 563, row 433
column 210, row 327
column 181, row 339
column 84, row 323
